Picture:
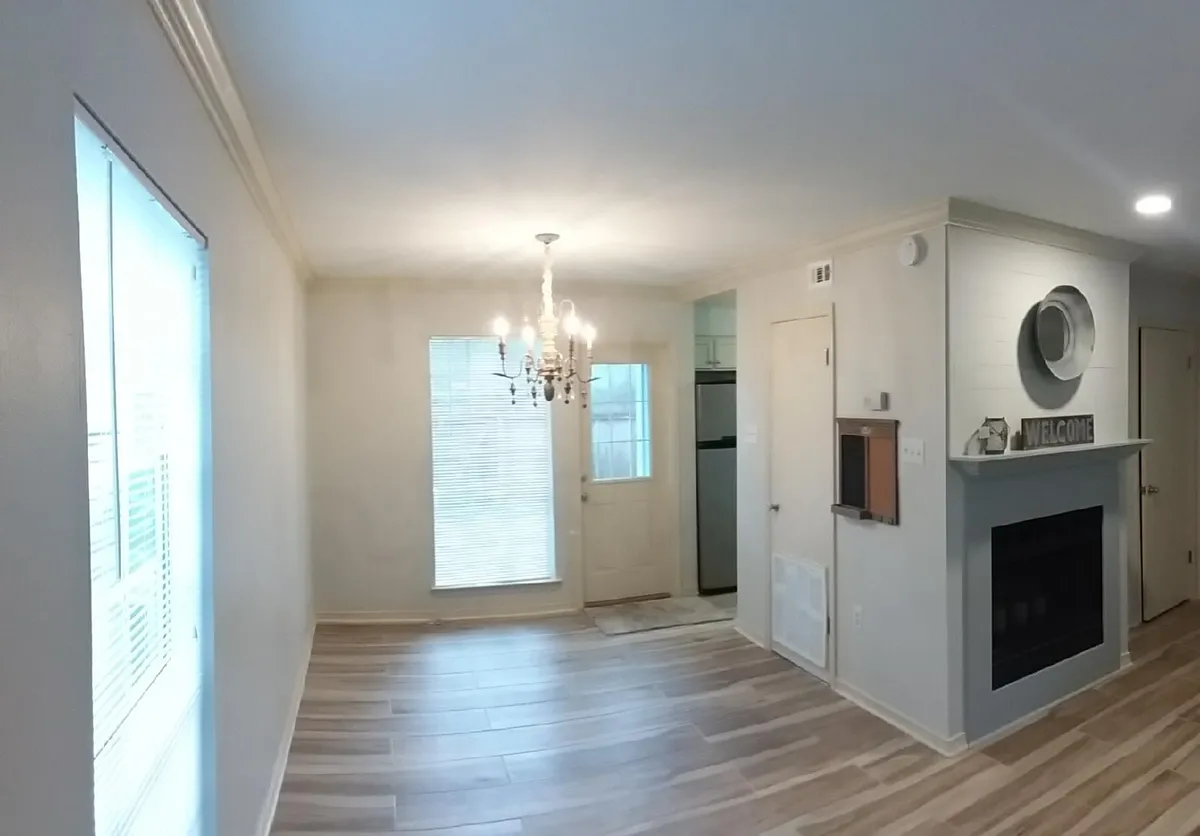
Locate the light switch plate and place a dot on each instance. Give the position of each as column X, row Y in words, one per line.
column 912, row 451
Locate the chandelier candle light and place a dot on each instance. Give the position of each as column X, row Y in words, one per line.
column 551, row 373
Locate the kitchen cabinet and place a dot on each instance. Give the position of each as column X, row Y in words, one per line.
column 716, row 353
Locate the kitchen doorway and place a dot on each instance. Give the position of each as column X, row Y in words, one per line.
column 716, row 447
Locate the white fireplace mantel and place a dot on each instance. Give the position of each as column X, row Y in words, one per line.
column 1032, row 462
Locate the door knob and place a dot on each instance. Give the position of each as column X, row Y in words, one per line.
column 583, row 497
column 774, row 506
column 1150, row 489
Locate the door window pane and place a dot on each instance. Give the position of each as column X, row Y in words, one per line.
column 620, row 415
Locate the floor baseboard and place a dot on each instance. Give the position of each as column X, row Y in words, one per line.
column 799, row 661
column 267, row 818
column 948, row 746
column 369, row 617
column 748, row 636
column 634, row 599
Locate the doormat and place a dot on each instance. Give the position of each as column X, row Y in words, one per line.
column 640, row 616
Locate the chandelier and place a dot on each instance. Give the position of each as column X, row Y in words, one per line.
column 550, row 373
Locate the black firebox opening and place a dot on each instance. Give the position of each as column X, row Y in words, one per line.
column 1047, row 592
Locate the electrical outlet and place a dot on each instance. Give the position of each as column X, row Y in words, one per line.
column 858, row 615
column 912, row 451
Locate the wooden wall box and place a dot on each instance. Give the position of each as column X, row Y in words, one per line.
column 868, row 473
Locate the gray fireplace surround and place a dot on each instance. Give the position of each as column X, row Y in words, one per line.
column 1014, row 488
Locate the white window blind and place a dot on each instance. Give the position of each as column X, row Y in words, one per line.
column 493, row 481
column 143, row 354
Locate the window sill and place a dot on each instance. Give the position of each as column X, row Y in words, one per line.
column 622, row 480
column 485, row 587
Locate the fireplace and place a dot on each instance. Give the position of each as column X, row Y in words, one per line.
column 1044, row 577
column 1047, row 592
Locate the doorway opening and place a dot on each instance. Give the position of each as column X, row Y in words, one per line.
column 715, row 388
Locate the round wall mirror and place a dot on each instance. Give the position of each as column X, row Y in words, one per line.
column 1053, row 333
column 1066, row 332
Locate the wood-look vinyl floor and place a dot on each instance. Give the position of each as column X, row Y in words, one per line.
column 550, row 728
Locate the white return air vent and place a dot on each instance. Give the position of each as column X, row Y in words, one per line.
column 820, row 274
column 799, row 608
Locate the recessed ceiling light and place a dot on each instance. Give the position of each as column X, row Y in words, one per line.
column 1153, row 204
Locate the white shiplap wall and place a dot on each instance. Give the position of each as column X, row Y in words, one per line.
column 993, row 281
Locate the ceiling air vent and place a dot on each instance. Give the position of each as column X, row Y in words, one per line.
column 820, row 274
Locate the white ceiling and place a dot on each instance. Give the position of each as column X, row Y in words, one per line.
column 672, row 140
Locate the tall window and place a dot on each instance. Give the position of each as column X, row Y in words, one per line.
column 143, row 305
column 620, row 421
column 493, row 481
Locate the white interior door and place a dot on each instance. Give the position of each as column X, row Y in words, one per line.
column 802, row 479
column 1168, row 467
column 626, row 535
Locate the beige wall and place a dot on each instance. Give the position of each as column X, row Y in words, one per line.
column 889, row 325
column 113, row 55
column 370, row 447
column 941, row 339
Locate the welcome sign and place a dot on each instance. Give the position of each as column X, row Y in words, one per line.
column 1057, row 431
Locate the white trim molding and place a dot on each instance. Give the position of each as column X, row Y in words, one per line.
column 750, row 637
column 383, row 617
column 971, row 215
column 521, row 284
column 187, row 28
column 946, row 746
column 954, row 211
column 792, row 261
column 266, row 818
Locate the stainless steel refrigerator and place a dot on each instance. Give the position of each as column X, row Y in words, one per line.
column 716, row 479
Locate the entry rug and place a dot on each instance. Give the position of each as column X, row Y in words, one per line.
column 640, row 616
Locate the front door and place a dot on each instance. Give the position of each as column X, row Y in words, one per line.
column 1168, row 417
column 626, row 519
column 802, row 478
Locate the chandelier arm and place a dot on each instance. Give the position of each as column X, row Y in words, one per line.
column 549, row 370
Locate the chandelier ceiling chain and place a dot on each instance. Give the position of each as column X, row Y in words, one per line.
column 548, row 372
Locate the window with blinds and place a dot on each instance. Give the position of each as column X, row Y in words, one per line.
column 493, row 480
column 143, row 296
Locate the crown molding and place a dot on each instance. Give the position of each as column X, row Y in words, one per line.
column 952, row 211
column 970, row 215
column 563, row 288
column 935, row 214
column 191, row 36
